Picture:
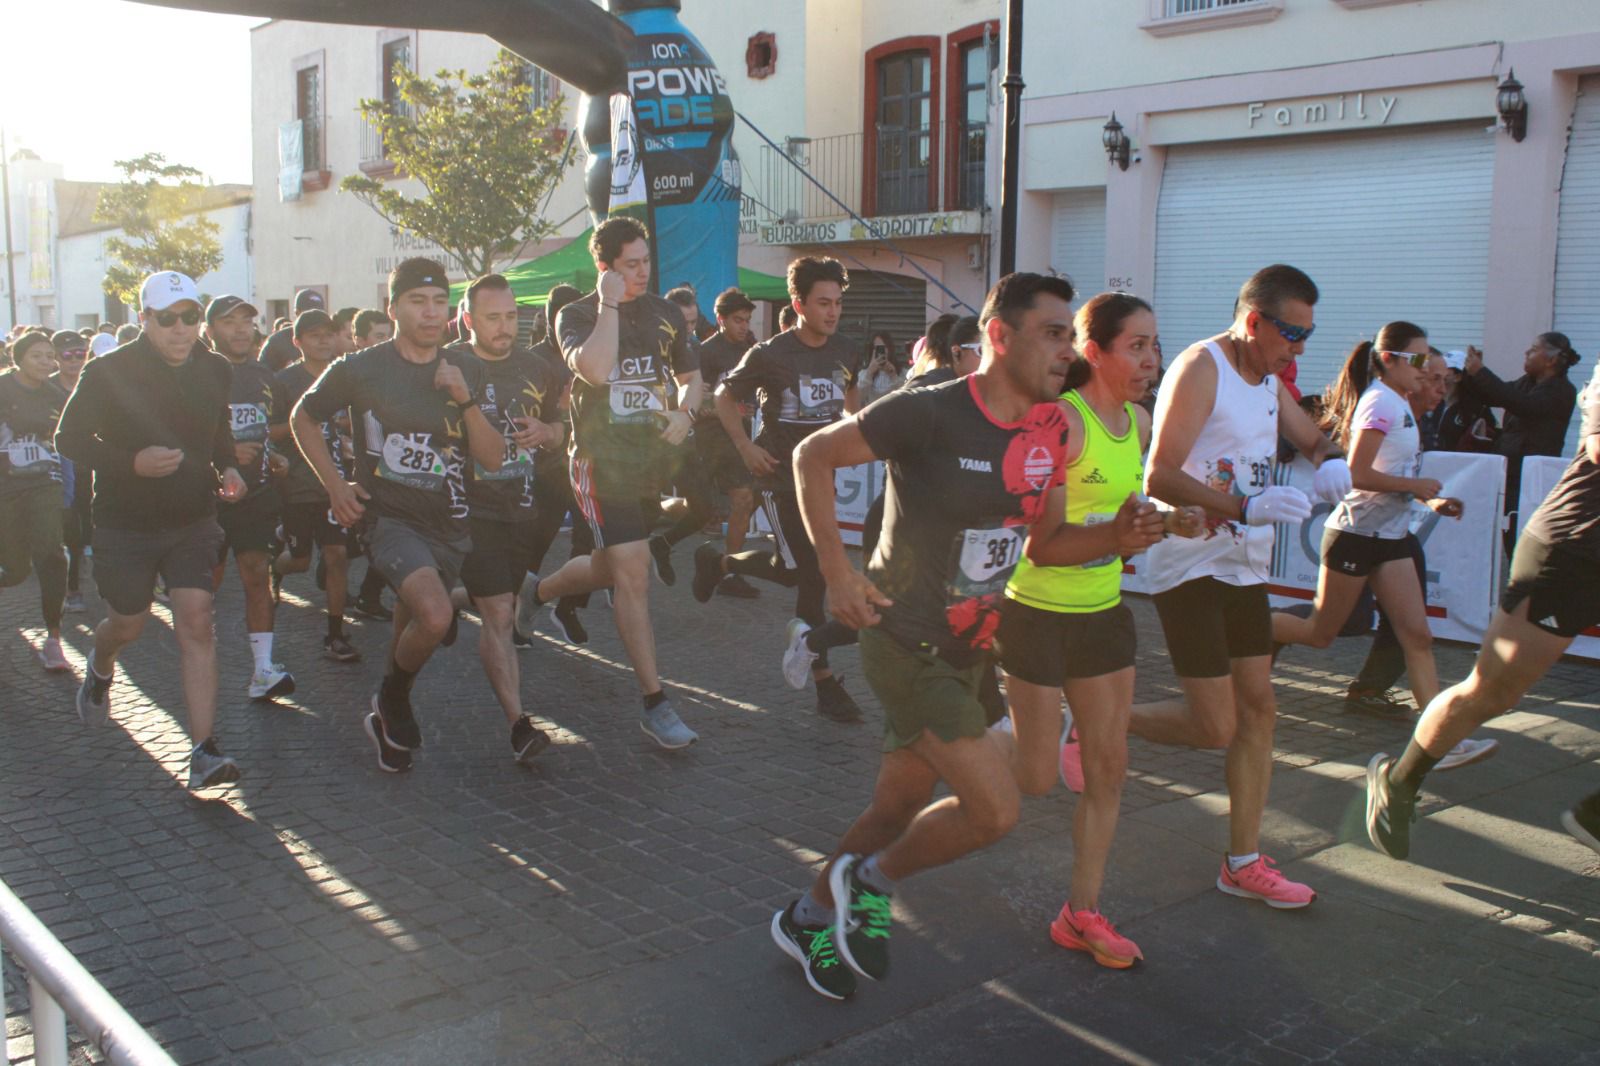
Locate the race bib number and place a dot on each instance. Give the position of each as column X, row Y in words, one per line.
column 634, row 403
column 517, row 464
column 410, row 459
column 249, row 421
column 31, row 458
column 821, row 399
column 1096, row 519
column 1245, row 475
column 984, row 561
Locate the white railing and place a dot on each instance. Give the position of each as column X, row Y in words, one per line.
column 1189, row 7
column 60, row 988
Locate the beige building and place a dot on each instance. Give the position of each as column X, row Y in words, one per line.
column 896, row 126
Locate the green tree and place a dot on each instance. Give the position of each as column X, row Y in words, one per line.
column 485, row 155
column 157, row 206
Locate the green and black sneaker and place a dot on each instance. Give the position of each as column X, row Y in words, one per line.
column 862, row 920
column 813, row 950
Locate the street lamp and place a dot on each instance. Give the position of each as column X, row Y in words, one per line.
column 1512, row 105
column 1116, row 142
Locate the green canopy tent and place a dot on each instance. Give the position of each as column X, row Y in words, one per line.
column 571, row 264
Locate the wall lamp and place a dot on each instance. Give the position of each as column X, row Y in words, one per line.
column 1116, row 141
column 1512, row 105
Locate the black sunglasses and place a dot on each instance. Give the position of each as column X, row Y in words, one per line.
column 168, row 319
column 73, row 355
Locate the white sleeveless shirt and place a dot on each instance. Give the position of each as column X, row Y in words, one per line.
column 1233, row 454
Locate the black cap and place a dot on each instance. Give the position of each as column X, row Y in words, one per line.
column 315, row 318
column 223, row 305
column 309, row 300
column 64, row 340
column 417, row 273
column 731, row 300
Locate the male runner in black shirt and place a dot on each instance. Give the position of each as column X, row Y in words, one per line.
column 307, row 521
column 628, row 351
column 151, row 419
column 520, row 398
column 249, row 526
column 803, row 379
column 279, row 351
column 370, row 327
column 414, row 414
column 1553, row 595
column 720, row 460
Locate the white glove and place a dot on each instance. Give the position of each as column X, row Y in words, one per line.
column 1331, row 482
column 1279, row 503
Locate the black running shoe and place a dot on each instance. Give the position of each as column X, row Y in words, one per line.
column 527, row 740
column 391, row 759
column 813, row 950
column 339, row 650
column 1378, row 705
column 736, row 587
column 1390, row 811
column 661, row 555
column 518, row 640
column 834, row 703
column 568, row 624
column 399, row 724
column 1583, row 821
column 373, row 610
column 861, row 920
column 707, row 572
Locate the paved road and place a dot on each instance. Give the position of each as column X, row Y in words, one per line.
column 610, row 904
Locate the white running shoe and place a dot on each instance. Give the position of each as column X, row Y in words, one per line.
column 527, row 606
column 798, row 657
column 1466, row 752
column 270, row 684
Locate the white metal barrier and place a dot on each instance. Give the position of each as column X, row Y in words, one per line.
column 60, row 988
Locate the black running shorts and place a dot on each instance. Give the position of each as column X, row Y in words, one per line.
column 251, row 525
column 1050, row 647
column 1356, row 555
column 128, row 561
column 500, row 557
column 310, row 523
column 1562, row 588
column 1208, row 623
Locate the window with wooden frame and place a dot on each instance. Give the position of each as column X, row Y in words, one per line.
column 311, row 110
column 900, row 170
column 971, row 56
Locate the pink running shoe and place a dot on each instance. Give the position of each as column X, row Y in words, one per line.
column 1261, row 880
column 1072, row 761
column 52, row 658
column 1089, row 931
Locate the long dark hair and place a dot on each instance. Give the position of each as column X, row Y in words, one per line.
column 896, row 362
column 943, row 337
column 1360, row 369
column 1100, row 320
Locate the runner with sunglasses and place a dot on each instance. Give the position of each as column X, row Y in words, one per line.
column 152, row 420
column 1217, row 422
column 1367, row 540
column 30, row 484
column 77, row 486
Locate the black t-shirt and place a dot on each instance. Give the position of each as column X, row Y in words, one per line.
column 130, row 399
column 302, row 485
column 963, row 490
column 1569, row 518
column 255, row 403
column 718, row 356
column 279, row 351
column 799, row 389
column 618, row 425
column 937, row 376
column 410, row 438
column 28, row 420
column 517, row 387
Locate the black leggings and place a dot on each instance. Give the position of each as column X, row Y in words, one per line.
column 32, row 541
column 794, row 544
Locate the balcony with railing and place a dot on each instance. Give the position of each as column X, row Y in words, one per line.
column 1170, row 17
column 887, row 172
column 375, row 161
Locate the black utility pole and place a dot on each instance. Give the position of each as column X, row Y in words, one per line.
column 1011, row 142
column 5, row 195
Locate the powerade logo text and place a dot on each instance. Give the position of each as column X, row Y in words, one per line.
column 680, row 92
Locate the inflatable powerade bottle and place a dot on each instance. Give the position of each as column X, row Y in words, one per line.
column 679, row 140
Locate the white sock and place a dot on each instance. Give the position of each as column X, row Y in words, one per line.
column 1239, row 862
column 261, row 648
column 1003, row 726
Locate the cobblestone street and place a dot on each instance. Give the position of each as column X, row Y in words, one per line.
column 610, row 902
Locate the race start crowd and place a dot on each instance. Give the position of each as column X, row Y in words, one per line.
column 1025, row 463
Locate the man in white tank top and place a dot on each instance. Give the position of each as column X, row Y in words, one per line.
column 1217, row 422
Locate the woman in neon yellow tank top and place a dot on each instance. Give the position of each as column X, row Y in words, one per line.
column 1065, row 628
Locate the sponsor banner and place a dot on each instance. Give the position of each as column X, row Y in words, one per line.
column 889, row 227
column 855, row 488
column 1539, row 475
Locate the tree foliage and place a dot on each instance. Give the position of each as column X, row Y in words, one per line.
column 156, row 205
column 485, row 155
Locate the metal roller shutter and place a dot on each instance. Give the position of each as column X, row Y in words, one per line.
column 890, row 302
column 1578, row 241
column 1078, row 239
column 1392, row 225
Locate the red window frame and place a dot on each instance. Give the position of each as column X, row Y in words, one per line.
column 930, row 45
column 954, row 104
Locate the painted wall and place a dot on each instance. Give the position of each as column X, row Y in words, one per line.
column 33, row 245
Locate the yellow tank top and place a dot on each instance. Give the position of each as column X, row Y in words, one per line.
column 1106, row 470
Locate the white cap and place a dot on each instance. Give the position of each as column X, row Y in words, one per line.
column 101, row 344
column 1455, row 359
column 160, row 291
